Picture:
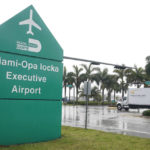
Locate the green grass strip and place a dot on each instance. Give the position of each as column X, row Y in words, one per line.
column 80, row 139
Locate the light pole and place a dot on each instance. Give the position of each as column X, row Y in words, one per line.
column 74, row 94
column 87, row 92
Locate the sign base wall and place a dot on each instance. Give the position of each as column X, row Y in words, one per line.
column 27, row 121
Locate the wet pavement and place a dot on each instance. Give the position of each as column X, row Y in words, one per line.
column 108, row 119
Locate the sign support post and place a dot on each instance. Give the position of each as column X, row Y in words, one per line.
column 87, row 92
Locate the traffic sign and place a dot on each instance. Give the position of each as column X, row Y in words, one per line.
column 70, row 86
column 147, row 82
column 87, row 87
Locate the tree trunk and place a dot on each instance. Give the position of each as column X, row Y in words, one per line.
column 100, row 86
column 122, row 89
column 69, row 94
column 109, row 96
column 114, row 95
column 77, row 92
column 122, row 93
column 102, row 95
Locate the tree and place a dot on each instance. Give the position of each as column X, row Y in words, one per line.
column 136, row 76
column 116, row 87
column 88, row 75
column 147, row 67
column 101, row 79
column 95, row 93
column 77, row 79
column 121, row 74
column 111, row 85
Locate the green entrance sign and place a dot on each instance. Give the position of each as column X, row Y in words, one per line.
column 31, row 80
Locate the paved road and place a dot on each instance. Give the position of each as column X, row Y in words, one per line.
column 107, row 119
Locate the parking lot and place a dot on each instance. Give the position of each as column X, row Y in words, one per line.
column 108, row 119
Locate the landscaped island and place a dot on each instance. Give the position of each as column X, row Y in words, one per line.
column 81, row 139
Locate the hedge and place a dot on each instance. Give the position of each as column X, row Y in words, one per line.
column 146, row 113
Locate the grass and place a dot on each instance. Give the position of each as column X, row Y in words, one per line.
column 80, row 139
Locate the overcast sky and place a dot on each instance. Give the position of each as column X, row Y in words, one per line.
column 112, row 31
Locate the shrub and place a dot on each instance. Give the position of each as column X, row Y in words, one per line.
column 146, row 113
column 91, row 103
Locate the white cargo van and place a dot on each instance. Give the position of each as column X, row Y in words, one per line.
column 137, row 98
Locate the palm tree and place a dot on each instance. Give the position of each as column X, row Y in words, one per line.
column 101, row 79
column 116, row 87
column 147, row 67
column 121, row 74
column 136, row 76
column 77, row 79
column 110, row 84
column 88, row 75
column 148, row 59
column 95, row 93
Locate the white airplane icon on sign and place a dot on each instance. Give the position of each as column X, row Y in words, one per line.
column 31, row 23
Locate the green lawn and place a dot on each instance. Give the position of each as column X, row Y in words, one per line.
column 80, row 139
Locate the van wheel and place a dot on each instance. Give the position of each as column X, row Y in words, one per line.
column 119, row 107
